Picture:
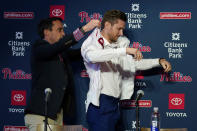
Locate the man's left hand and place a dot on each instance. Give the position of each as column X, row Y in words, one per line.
column 165, row 64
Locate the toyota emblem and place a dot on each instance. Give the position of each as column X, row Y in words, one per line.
column 57, row 12
column 18, row 97
column 176, row 101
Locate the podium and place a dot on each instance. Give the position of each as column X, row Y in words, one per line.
column 60, row 128
column 79, row 128
column 166, row 129
column 52, row 127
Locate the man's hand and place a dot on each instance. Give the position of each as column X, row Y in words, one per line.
column 165, row 64
column 133, row 51
column 91, row 25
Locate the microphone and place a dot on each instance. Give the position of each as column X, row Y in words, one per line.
column 140, row 93
column 47, row 92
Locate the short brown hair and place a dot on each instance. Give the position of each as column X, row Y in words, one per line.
column 112, row 16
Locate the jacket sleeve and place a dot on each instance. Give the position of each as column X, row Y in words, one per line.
column 145, row 64
column 93, row 52
column 73, row 54
column 44, row 50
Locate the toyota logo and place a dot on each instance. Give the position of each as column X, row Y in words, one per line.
column 176, row 101
column 57, row 12
column 18, row 97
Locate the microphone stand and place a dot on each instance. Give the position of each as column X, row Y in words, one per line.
column 137, row 116
column 46, row 117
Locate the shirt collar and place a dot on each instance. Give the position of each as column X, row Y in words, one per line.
column 112, row 45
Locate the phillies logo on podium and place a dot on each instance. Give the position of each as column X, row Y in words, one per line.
column 15, row 128
column 18, row 98
column 176, row 101
column 131, row 103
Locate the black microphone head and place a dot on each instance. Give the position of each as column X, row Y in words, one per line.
column 48, row 90
column 140, row 92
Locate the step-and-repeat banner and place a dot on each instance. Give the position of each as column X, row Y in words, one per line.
column 159, row 29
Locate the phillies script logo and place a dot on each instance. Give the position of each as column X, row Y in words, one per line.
column 175, row 15
column 57, row 11
column 17, row 75
column 131, row 103
column 175, row 77
column 18, row 98
column 141, row 48
column 176, row 101
column 85, row 17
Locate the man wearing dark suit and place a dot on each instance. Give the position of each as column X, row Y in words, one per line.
column 51, row 69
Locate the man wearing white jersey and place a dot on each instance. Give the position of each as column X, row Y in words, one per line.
column 111, row 65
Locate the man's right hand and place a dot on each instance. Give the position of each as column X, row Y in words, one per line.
column 133, row 51
column 91, row 25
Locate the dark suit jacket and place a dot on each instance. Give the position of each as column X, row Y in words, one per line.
column 48, row 71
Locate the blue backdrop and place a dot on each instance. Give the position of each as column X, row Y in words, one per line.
column 160, row 29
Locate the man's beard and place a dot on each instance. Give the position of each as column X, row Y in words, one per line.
column 113, row 40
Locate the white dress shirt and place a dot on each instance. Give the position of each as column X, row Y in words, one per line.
column 110, row 69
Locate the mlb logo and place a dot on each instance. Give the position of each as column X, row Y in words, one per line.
column 176, row 101
column 18, row 98
column 57, row 11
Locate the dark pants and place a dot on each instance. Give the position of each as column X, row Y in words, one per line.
column 104, row 117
